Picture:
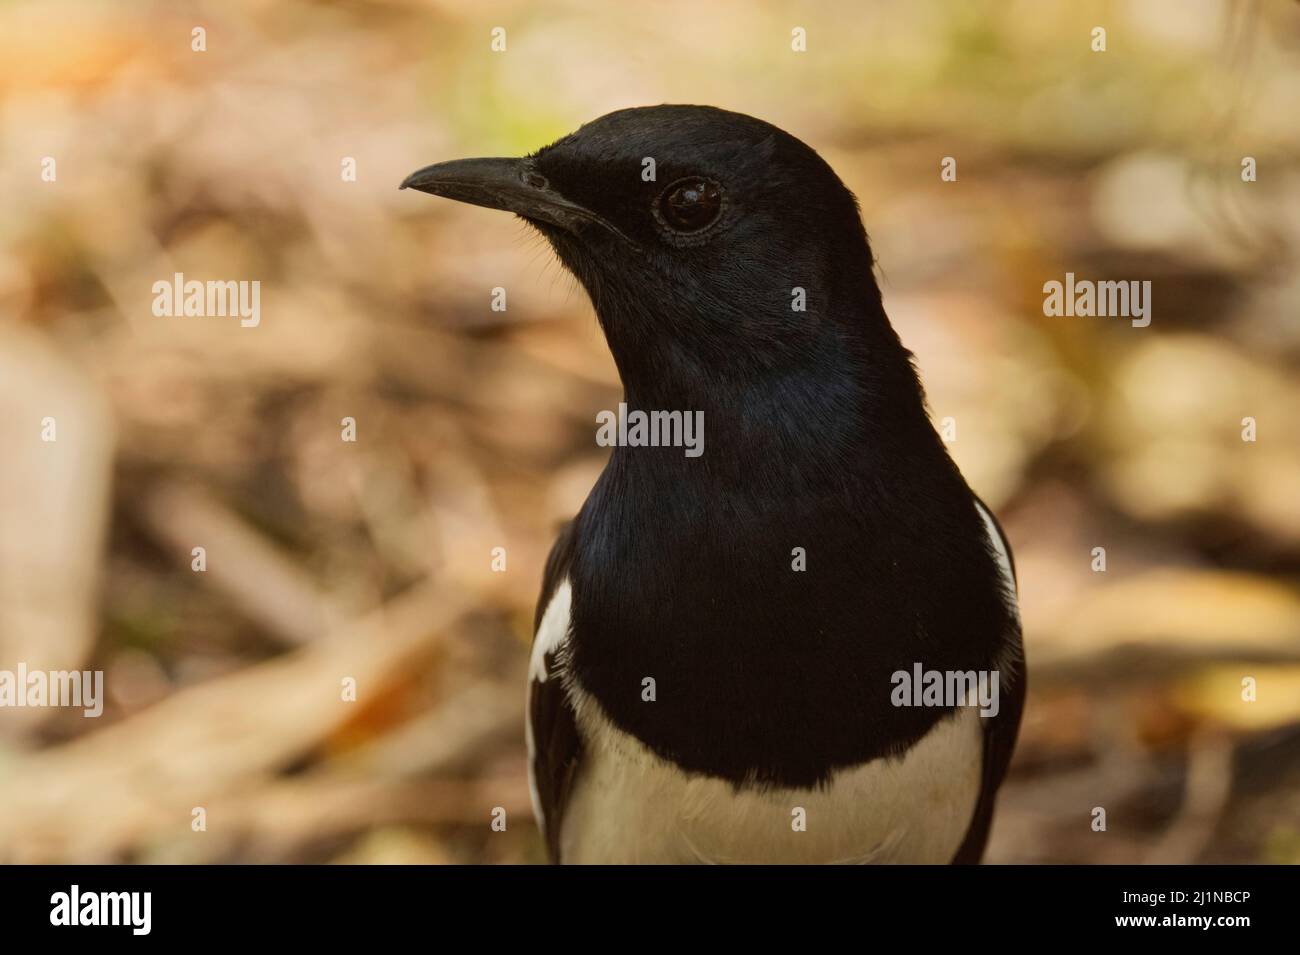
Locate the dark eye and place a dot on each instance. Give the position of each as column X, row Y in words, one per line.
column 690, row 205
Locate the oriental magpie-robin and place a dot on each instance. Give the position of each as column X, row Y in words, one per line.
column 722, row 640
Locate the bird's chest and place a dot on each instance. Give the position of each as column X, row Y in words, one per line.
column 772, row 667
column 629, row 805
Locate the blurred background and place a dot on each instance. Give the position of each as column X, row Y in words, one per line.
column 372, row 560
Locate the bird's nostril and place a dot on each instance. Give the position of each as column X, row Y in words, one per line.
column 536, row 180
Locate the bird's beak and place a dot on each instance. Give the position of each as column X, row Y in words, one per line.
column 514, row 185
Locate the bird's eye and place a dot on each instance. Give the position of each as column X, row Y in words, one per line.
column 690, row 205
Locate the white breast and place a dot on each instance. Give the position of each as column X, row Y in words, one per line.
column 629, row 805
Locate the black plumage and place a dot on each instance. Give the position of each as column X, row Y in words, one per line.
column 817, row 438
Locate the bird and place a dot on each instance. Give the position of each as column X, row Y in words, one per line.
column 719, row 636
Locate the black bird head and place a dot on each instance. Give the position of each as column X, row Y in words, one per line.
column 718, row 249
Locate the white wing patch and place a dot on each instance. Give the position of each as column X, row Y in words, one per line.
column 554, row 630
column 999, row 548
column 1011, row 659
column 551, row 634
